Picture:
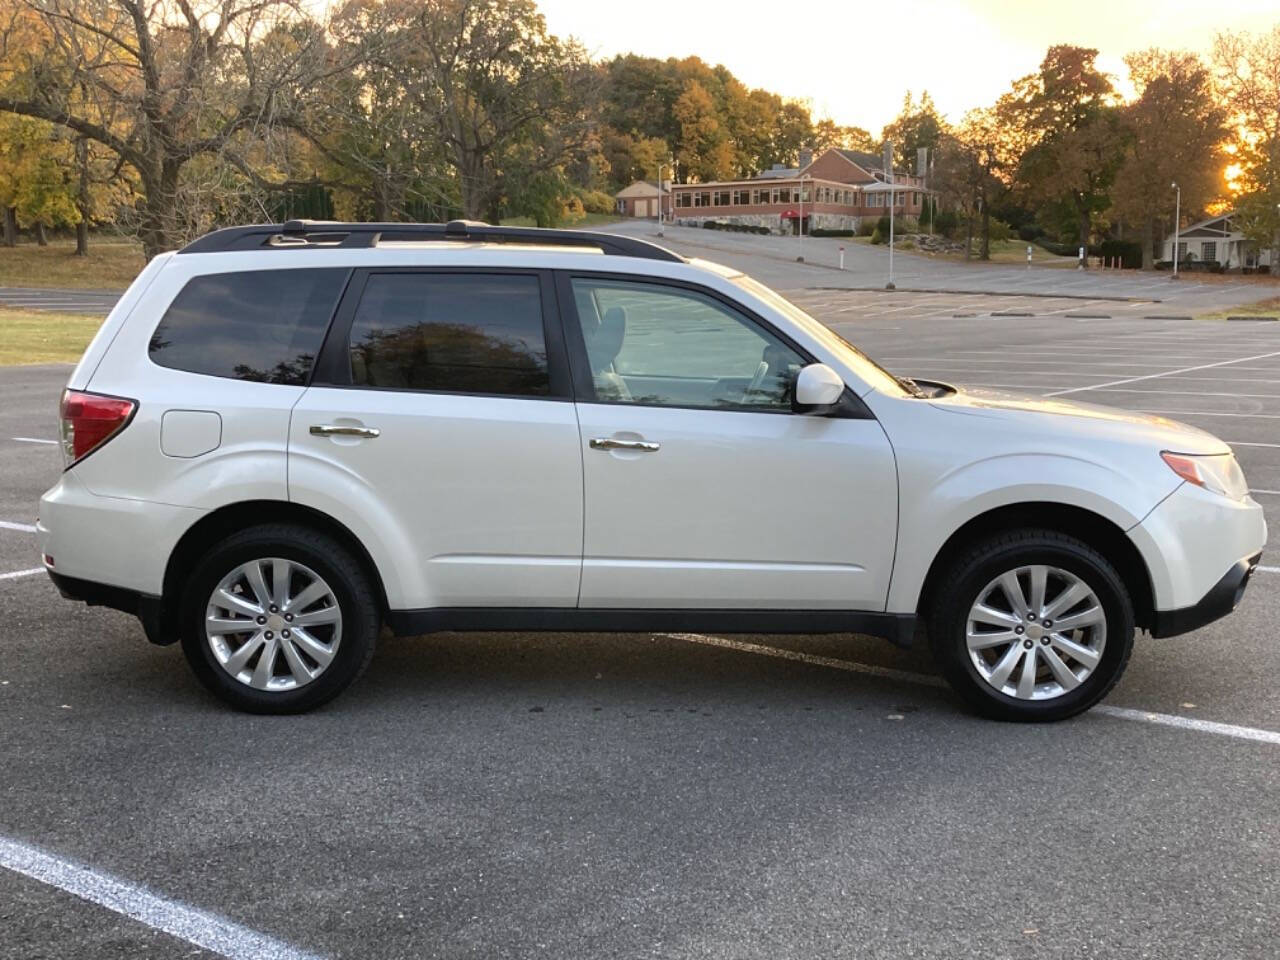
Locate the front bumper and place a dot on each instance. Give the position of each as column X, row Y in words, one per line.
column 1223, row 597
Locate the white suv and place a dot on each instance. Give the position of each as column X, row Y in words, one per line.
column 284, row 437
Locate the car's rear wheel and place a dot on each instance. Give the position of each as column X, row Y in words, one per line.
column 1032, row 625
column 278, row 619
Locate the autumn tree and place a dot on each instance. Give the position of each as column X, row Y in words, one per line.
column 918, row 124
column 1248, row 78
column 1175, row 130
column 1066, row 113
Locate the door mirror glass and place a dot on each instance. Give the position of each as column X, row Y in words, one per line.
column 818, row 389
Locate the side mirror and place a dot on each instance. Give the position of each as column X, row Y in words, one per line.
column 818, row 389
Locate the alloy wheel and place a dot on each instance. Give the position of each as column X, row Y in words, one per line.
column 273, row 624
column 1036, row 632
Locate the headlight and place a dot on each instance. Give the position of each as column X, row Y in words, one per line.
column 1219, row 472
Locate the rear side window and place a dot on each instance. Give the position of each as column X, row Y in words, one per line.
column 458, row 333
column 263, row 325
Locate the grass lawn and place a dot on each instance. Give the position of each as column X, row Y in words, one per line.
column 111, row 265
column 1263, row 308
column 37, row 336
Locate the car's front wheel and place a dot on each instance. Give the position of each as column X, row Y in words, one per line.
column 1032, row 625
column 278, row 619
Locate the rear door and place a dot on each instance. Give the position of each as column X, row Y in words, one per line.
column 440, row 423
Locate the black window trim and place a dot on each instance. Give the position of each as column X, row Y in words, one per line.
column 850, row 406
column 332, row 368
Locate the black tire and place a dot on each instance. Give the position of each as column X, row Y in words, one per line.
column 989, row 559
column 355, row 596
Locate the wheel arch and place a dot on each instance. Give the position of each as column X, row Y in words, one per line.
column 1090, row 527
column 224, row 521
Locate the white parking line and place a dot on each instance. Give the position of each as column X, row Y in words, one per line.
column 924, row 679
column 1167, row 373
column 24, row 527
column 1273, row 493
column 197, row 927
column 21, row 573
column 1250, row 443
column 32, row 440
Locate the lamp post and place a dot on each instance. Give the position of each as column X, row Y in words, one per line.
column 1177, row 215
column 668, row 166
column 800, row 254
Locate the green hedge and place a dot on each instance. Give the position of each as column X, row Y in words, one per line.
column 824, row 232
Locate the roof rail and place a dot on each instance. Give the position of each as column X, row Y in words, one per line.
column 300, row 234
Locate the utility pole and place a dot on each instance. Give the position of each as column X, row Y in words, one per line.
column 1177, row 215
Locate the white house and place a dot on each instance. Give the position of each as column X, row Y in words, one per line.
column 1216, row 239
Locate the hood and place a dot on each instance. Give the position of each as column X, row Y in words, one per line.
column 1083, row 419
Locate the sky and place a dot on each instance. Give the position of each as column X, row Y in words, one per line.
column 853, row 61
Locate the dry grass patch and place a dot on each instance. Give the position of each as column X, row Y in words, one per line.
column 110, row 265
column 1263, row 308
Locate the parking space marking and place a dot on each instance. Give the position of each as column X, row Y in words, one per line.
column 197, row 927
column 1268, row 569
column 1190, row 723
column 927, row 680
column 32, row 440
column 1250, row 443
column 1273, row 493
column 24, row 527
column 1155, row 376
column 21, row 573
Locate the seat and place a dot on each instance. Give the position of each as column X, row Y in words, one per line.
column 604, row 343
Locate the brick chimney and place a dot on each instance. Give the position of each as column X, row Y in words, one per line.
column 806, row 157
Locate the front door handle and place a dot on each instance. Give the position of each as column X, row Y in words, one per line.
column 342, row 430
column 609, row 443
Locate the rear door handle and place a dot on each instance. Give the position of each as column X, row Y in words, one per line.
column 609, row 443
column 342, row 430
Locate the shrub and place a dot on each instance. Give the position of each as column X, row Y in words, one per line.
column 877, row 236
column 883, row 226
column 1129, row 252
column 866, row 227
column 596, row 201
column 946, row 222
column 825, row 232
column 1029, row 232
column 710, row 225
column 908, row 245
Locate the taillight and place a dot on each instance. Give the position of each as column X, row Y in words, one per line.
column 89, row 420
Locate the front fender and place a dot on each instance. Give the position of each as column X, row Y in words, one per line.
column 934, row 509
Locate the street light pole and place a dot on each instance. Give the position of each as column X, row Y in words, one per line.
column 1177, row 216
column 800, row 255
column 660, row 168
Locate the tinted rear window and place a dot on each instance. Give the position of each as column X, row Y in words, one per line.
column 460, row 333
column 263, row 325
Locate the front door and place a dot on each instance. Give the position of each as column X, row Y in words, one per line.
column 702, row 488
column 439, row 425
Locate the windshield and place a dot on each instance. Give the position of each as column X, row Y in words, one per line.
column 868, row 369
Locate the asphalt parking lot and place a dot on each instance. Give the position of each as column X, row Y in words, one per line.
column 509, row 795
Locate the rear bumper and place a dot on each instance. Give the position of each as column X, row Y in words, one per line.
column 148, row 609
column 1223, row 597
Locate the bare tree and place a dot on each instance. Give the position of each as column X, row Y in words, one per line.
column 160, row 84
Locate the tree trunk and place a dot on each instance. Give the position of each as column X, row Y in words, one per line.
column 986, row 232
column 10, row 227
column 41, row 239
column 1148, row 242
column 1084, row 236
column 968, row 238
column 82, row 198
column 158, row 223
